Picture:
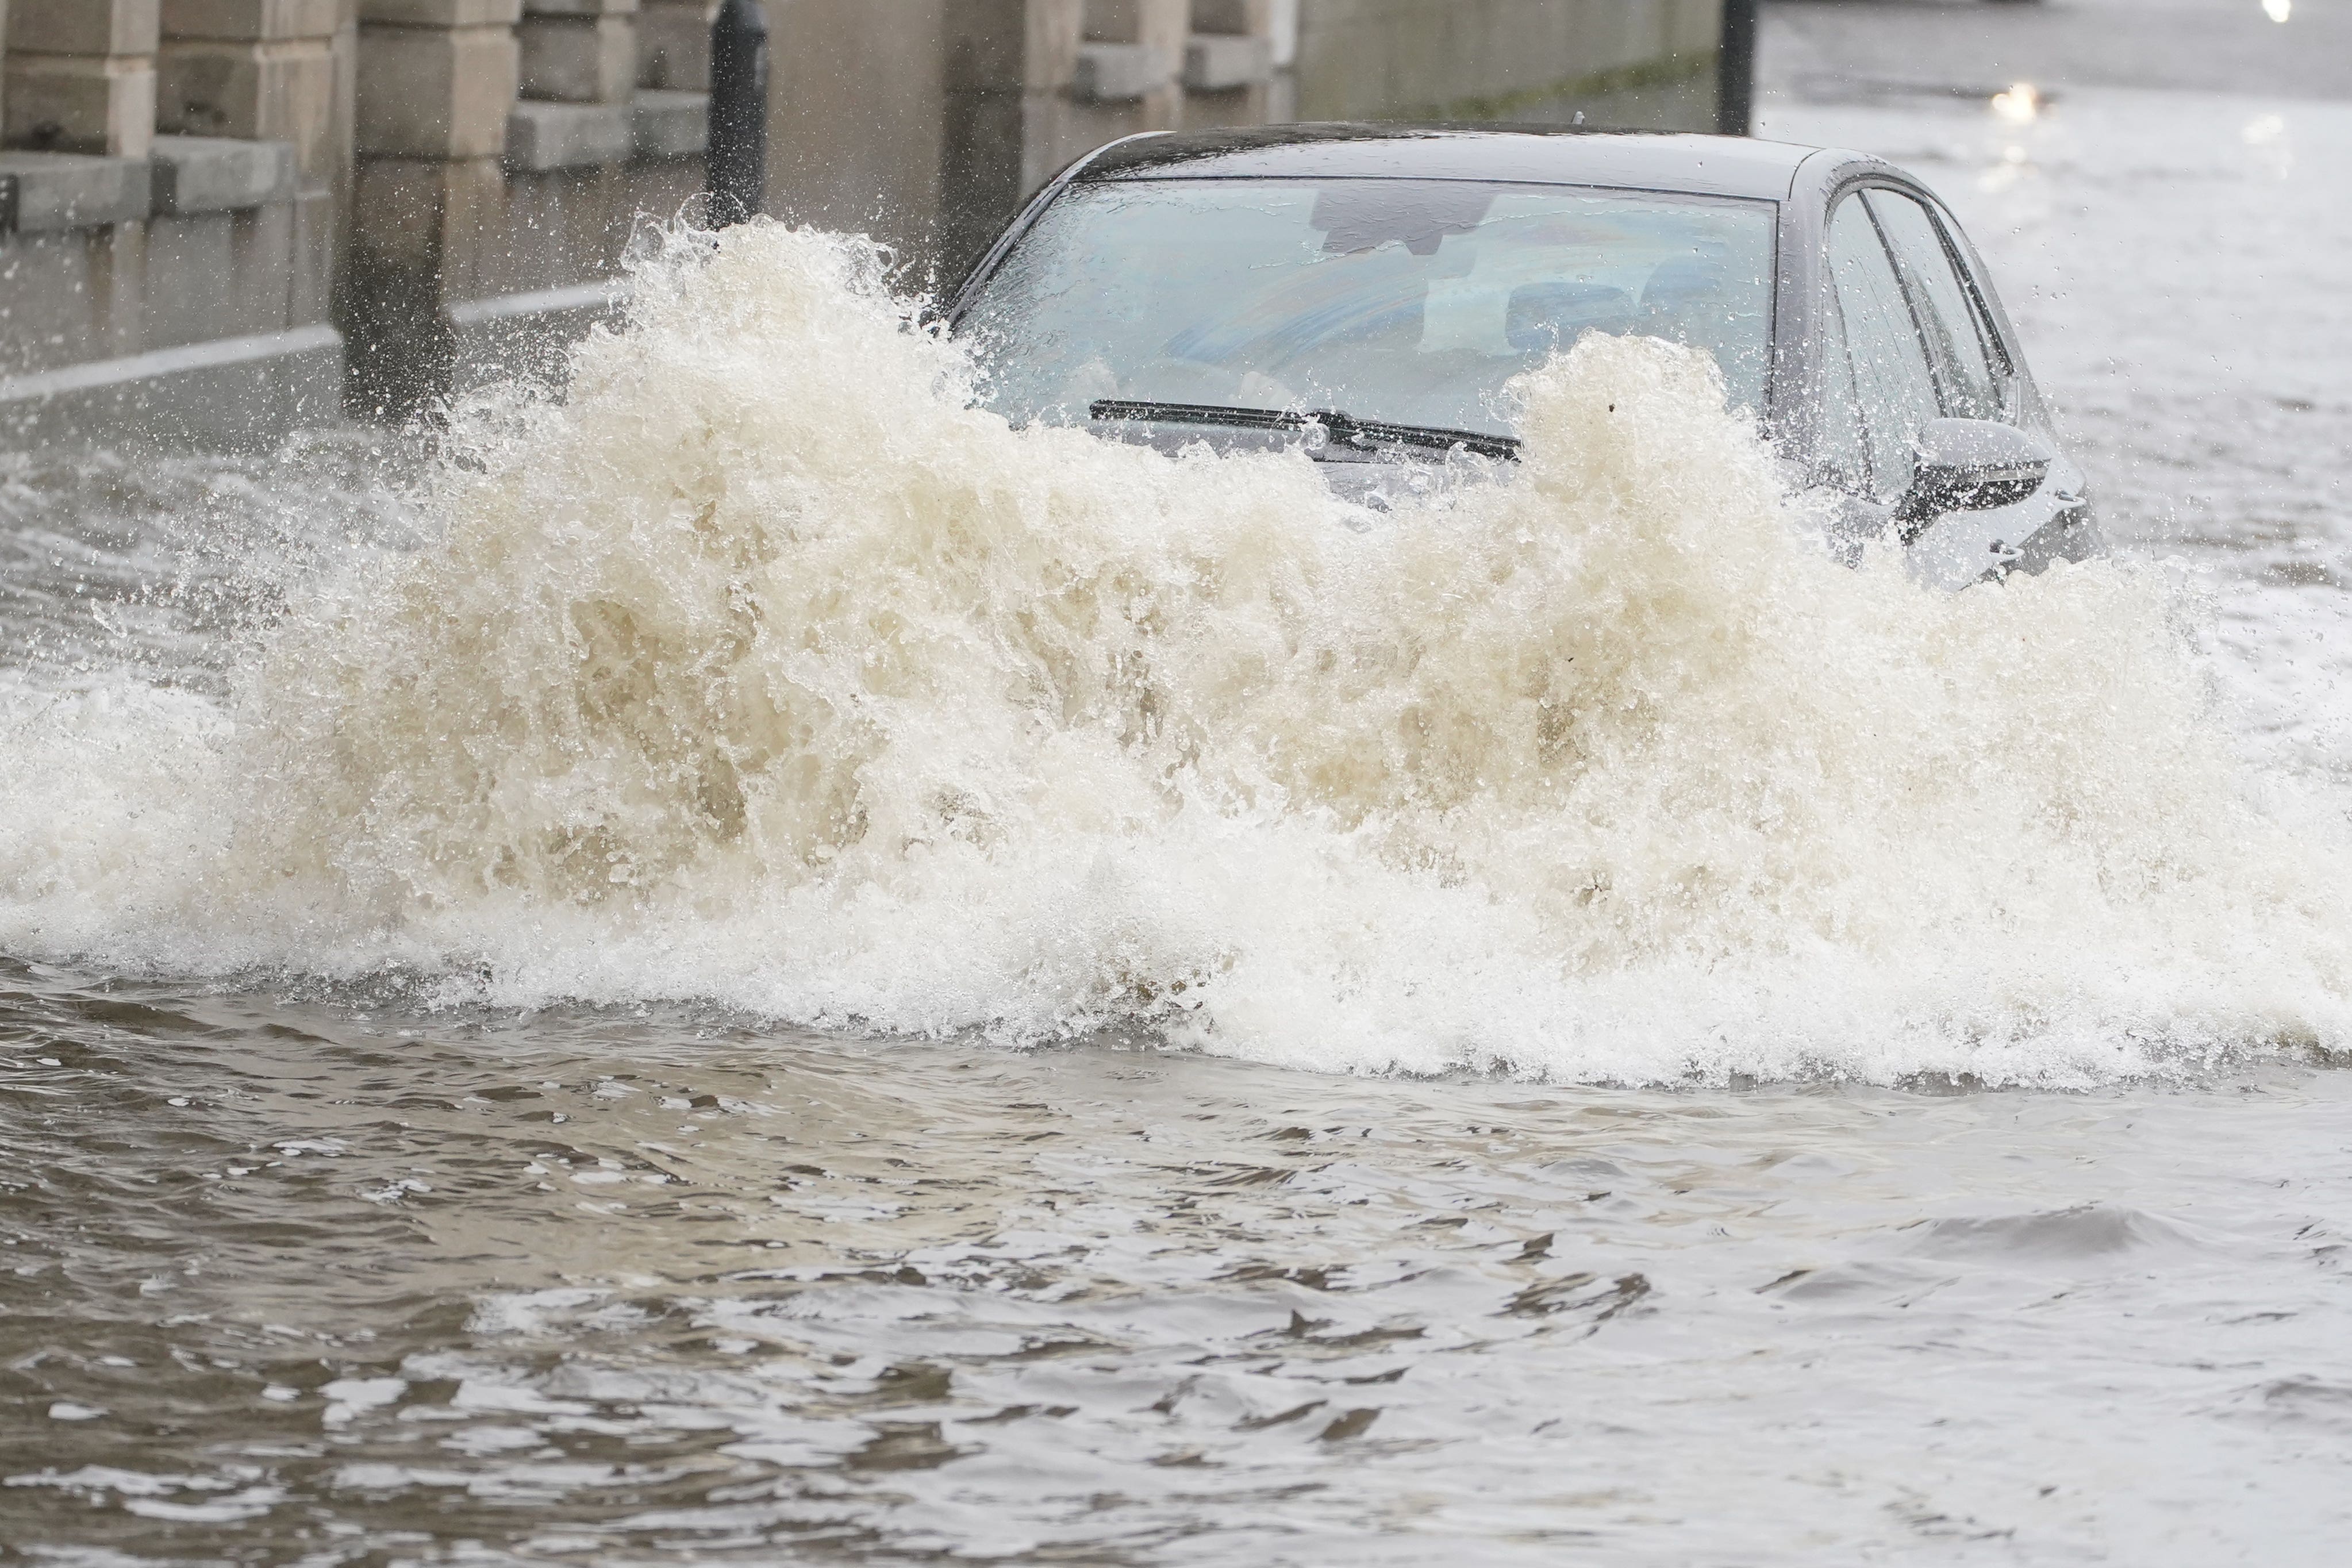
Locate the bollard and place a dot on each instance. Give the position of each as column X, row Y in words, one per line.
column 1735, row 88
column 8, row 193
column 738, row 159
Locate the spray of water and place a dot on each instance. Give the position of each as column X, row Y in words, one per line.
column 766, row 669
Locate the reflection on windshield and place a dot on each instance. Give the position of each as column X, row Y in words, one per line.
column 1406, row 300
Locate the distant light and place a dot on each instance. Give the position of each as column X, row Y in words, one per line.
column 2022, row 103
column 2262, row 133
column 2278, row 10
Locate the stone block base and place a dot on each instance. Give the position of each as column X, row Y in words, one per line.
column 1120, row 73
column 207, row 175
column 254, row 91
column 544, row 136
column 80, row 103
column 435, row 92
column 579, row 59
column 1227, row 62
column 59, row 190
column 671, row 124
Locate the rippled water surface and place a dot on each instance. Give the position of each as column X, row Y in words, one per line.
column 307, row 1282
column 349, row 1264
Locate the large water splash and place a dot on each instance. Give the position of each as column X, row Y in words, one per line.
column 767, row 669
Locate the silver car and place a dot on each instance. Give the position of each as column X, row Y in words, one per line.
column 1364, row 293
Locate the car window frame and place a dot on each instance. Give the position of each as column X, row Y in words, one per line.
column 1964, row 263
column 1949, row 377
column 1921, row 341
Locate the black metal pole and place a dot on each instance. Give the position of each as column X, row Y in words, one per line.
column 737, row 160
column 1735, row 92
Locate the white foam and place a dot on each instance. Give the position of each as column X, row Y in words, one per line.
column 766, row 669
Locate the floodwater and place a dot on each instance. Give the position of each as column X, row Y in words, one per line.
column 1003, row 1070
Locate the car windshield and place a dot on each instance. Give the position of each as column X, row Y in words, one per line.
column 1411, row 301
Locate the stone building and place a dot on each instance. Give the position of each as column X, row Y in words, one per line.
column 220, row 218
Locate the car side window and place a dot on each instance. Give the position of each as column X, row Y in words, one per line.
column 1840, row 459
column 1969, row 379
column 1894, row 387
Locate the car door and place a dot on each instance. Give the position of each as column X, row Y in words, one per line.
column 1881, row 390
column 1974, row 379
column 1916, row 346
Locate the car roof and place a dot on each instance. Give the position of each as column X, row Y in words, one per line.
column 1530, row 154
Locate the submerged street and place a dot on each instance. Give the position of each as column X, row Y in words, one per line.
column 1903, row 1223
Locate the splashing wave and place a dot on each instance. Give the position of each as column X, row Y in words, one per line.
column 767, row 669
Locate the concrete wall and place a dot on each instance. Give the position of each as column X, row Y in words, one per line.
column 400, row 197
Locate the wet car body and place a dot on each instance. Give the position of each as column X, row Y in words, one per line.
column 1885, row 373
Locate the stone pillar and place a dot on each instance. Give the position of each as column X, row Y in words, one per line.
column 1282, row 27
column 1008, row 127
column 436, row 82
column 674, row 44
column 257, row 70
column 858, row 118
column 579, row 51
column 81, row 76
column 345, row 48
column 579, row 74
column 571, row 132
column 1129, row 64
column 1229, row 62
column 436, row 77
column 260, row 70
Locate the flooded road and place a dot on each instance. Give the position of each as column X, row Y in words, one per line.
column 395, row 1229
column 293, row 1284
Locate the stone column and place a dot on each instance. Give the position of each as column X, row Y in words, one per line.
column 81, row 76
column 253, row 71
column 437, row 83
column 674, row 44
column 1229, row 62
column 579, row 74
column 436, row 77
column 266, row 71
column 1282, row 28
column 257, row 70
column 858, row 118
column 1127, row 67
column 579, row 51
column 1008, row 125
column 670, row 119
column 345, row 48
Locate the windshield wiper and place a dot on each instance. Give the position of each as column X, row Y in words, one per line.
column 1342, row 428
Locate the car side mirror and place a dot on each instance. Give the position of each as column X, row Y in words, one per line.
column 1970, row 465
